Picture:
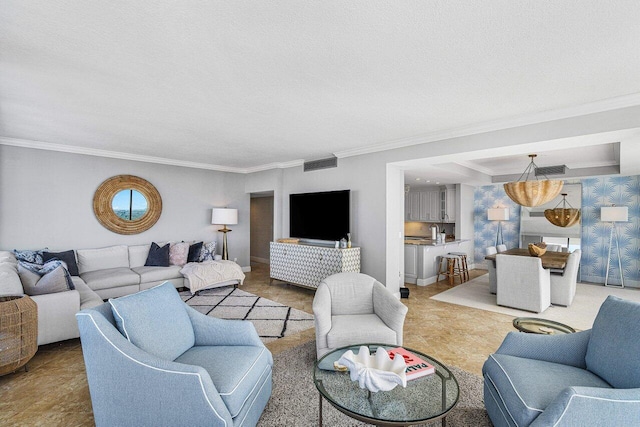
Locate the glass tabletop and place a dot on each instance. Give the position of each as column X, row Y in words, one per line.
column 534, row 325
column 426, row 398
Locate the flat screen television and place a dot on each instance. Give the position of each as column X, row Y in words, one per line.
column 320, row 216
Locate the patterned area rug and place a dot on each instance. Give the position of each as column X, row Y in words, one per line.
column 271, row 319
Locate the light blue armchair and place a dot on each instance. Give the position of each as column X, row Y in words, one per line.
column 590, row 378
column 152, row 360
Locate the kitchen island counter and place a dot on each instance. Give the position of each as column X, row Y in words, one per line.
column 421, row 258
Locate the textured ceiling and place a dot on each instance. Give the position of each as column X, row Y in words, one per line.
column 248, row 83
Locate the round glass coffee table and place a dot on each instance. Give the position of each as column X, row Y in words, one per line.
column 424, row 399
column 534, row 325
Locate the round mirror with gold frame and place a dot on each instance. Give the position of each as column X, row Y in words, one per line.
column 127, row 204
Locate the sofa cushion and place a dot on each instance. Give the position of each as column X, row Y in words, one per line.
column 110, row 278
column 194, row 252
column 152, row 274
column 234, row 370
column 88, row 298
column 138, row 255
column 614, row 345
column 155, row 320
column 519, row 383
column 158, row 256
column 10, row 283
column 68, row 257
column 49, row 278
column 102, row 258
column 349, row 329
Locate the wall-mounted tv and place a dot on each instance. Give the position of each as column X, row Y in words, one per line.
column 320, row 216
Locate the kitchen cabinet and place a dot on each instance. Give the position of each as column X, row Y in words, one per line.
column 422, row 205
column 448, row 203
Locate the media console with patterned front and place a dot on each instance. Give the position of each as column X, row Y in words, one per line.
column 306, row 265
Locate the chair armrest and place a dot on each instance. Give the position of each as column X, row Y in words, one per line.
column 389, row 308
column 123, row 378
column 322, row 314
column 212, row 331
column 567, row 349
column 591, row 406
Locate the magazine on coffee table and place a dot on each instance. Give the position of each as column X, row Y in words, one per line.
column 416, row 367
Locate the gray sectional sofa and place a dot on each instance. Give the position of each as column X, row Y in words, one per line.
column 104, row 273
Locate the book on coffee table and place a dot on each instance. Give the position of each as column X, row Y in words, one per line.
column 416, row 367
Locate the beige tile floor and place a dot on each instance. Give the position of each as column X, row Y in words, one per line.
column 54, row 391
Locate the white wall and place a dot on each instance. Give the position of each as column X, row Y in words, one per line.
column 46, row 200
column 366, row 177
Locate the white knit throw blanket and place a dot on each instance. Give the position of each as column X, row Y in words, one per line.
column 202, row 275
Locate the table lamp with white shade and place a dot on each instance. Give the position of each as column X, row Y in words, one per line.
column 224, row 217
column 614, row 214
column 498, row 214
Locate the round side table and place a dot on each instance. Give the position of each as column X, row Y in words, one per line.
column 18, row 332
column 535, row 325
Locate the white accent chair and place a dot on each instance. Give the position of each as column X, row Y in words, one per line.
column 353, row 308
column 522, row 283
column 501, row 248
column 563, row 286
column 554, row 248
column 491, row 268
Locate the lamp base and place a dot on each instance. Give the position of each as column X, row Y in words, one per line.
column 225, row 254
column 614, row 231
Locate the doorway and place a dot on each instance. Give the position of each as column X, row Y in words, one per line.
column 261, row 228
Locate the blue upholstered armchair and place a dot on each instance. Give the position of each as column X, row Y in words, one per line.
column 590, row 378
column 152, row 360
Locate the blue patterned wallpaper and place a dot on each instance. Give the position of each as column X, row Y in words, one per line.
column 596, row 192
column 608, row 191
column 486, row 197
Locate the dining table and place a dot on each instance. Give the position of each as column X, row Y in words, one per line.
column 550, row 259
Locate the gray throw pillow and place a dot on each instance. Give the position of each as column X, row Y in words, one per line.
column 68, row 257
column 158, row 256
column 54, row 281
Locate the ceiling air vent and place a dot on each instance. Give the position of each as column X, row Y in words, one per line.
column 314, row 165
column 551, row 170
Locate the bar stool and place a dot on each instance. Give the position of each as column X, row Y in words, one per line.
column 449, row 267
column 464, row 267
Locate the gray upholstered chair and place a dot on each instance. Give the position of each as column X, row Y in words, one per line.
column 491, row 268
column 152, row 360
column 563, row 285
column 353, row 308
column 522, row 283
column 590, row 378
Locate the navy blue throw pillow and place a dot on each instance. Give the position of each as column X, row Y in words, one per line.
column 158, row 256
column 68, row 257
column 194, row 252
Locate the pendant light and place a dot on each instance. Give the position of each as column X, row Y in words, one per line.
column 535, row 192
column 563, row 217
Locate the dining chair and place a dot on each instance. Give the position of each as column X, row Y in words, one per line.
column 563, row 286
column 501, row 248
column 522, row 283
column 491, row 268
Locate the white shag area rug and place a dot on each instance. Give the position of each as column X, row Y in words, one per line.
column 580, row 315
column 271, row 319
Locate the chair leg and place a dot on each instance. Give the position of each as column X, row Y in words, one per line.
column 451, row 264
